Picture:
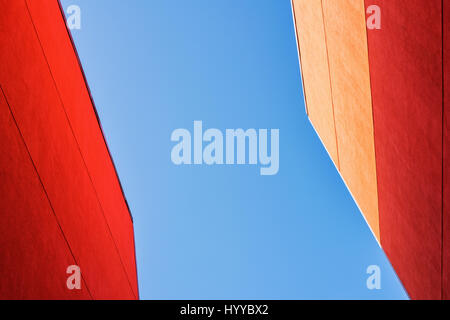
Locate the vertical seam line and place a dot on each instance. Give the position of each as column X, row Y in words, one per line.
column 331, row 86
column 373, row 124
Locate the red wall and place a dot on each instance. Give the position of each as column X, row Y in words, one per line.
column 405, row 59
column 60, row 192
column 446, row 64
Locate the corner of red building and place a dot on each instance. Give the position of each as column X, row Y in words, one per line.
column 67, row 231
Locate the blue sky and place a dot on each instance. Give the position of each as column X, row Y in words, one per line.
column 222, row 232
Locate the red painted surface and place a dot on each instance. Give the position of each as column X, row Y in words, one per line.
column 446, row 260
column 32, row 244
column 405, row 59
column 63, row 62
column 65, row 195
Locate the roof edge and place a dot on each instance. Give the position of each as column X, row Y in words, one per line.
column 94, row 108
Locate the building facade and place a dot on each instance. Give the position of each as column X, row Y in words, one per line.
column 61, row 201
column 376, row 93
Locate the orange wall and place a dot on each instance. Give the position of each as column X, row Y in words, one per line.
column 333, row 49
column 315, row 73
column 345, row 26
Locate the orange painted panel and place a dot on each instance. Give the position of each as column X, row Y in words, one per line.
column 315, row 73
column 345, row 27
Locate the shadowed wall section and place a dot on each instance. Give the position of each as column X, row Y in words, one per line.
column 389, row 92
column 349, row 71
column 446, row 130
column 64, row 202
column 406, row 72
